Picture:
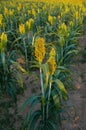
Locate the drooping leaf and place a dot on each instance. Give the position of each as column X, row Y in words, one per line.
column 60, row 85
column 19, row 67
column 29, row 101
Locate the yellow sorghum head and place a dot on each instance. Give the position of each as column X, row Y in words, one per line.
column 29, row 24
column 20, row 6
column 71, row 23
column 51, row 19
column 29, row 12
column 64, row 27
column 84, row 10
column 66, row 10
column 11, row 12
column 21, row 29
column 34, row 12
column 3, row 38
column 52, row 52
column 59, row 18
column 6, row 12
column 77, row 15
column 1, row 19
column 52, row 65
column 40, row 49
column 63, row 30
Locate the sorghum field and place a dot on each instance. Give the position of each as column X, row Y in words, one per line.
column 42, row 64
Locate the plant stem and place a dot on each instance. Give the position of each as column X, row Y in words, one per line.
column 49, row 96
column 42, row 89
column 25, row 51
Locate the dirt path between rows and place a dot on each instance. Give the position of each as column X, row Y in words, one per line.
column 77, row 98
column 80, row 84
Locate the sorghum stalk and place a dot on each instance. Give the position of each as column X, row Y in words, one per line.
column 42, row 88
column 49, row 95
column 25, row 51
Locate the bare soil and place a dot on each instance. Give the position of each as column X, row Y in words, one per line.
column 77, row 98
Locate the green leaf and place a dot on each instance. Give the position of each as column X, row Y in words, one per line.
column 28, row 117
column 60, row 85
column 19, row 79
column 56, row 99
column 3, row 59
column 71, row 52
column 19, row 67
column 52, row 125
column 34, row 118
column 30, row 100
column 46, row 73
